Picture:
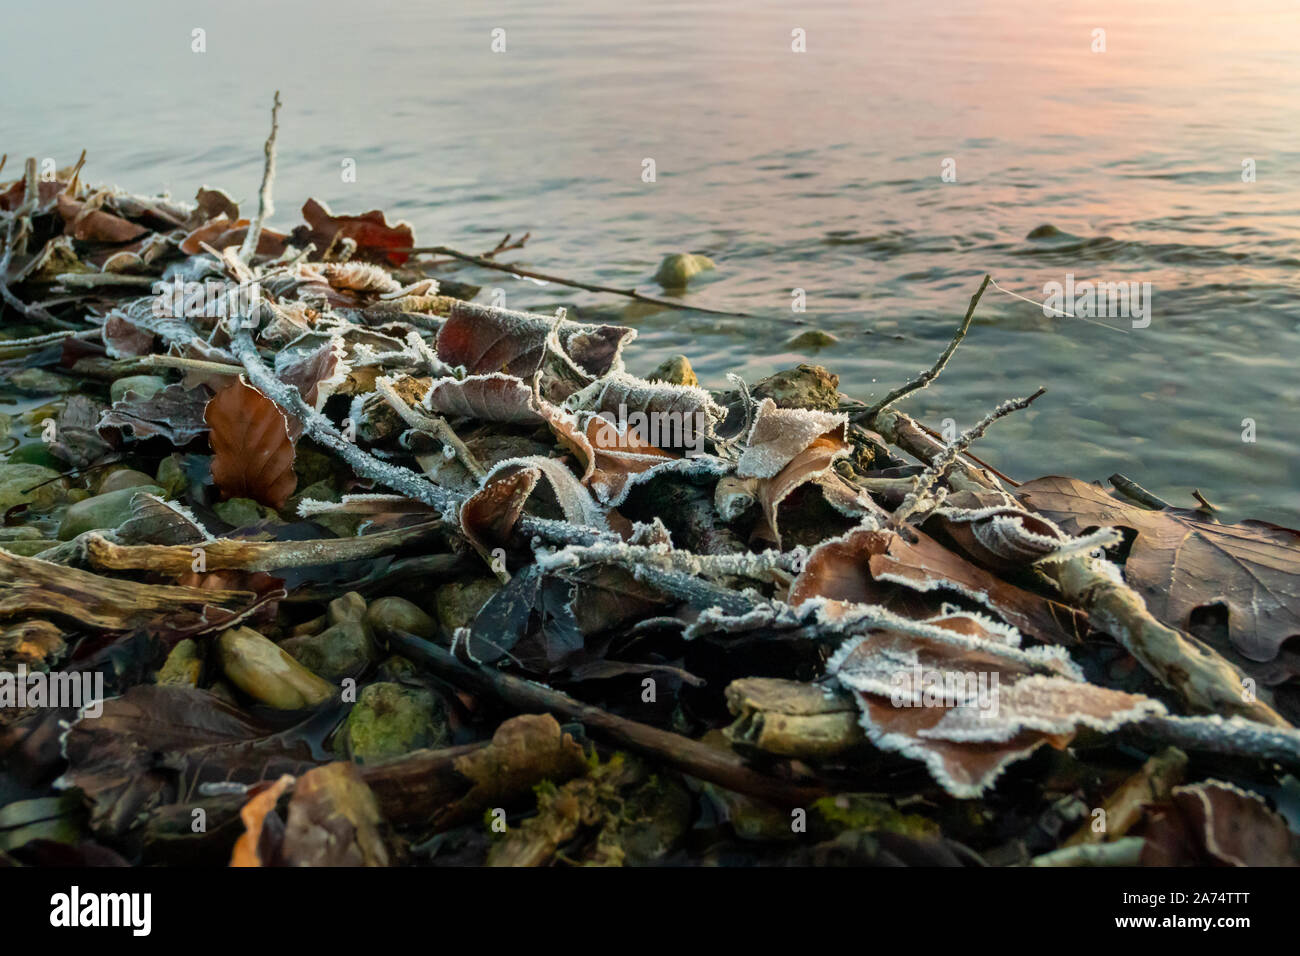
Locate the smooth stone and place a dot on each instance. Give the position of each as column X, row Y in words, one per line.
column 392, row 719
column 243, row 512
column 38, row 381
column 343, row 649
column 389, row 614
column 36, row 453
column 144, row 386
column 266, row 673
column 183, row 667
column 124, row 478
column 101, row 511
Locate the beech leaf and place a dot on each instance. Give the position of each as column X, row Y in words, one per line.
column 253, row 454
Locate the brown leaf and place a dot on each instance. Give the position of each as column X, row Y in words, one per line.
column 125, row 340
column 222, row 233
column 1216, row 824
column 955, row 693
column 489, row 398
column 861, row 566
column 176, row 413
column 489, row 515
column 375, row 238
column 83, row 221
column 253, row 454
column 334, row 820
column 1181, row 562
column 808, row 464
column 779, row 435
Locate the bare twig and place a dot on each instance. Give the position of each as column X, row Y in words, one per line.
column 434, row 424
column 1132, row 490
column 265, row 208
column 928, row 376
column 487, row 263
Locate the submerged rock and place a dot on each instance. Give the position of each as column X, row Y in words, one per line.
column 243, row 512
column 183, row 667
column 36, row 486
column 266, row 673
column 811, row 339
column 124, row 478
column 38, row 381
column 102, row 511
column 391, row 719
column 679, row 268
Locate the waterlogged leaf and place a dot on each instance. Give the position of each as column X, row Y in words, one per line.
column 253, row 453
column 376, row 240
column 489, row 398
column 1216, row 824
column 486, row 339
column 175, row 413
column 863, row 566
column 953, row 693
column 77, row 440
column 1180, row 562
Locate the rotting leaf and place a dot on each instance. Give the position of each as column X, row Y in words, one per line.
column 253, row 453
column 175, row 413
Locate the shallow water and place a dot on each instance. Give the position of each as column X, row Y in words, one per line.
column 818, row 171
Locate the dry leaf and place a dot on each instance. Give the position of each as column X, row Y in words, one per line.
column 375, row 238
column 1181, row 562
column 254, row 814
column 1216, row 824
column 253, row 454
column 490, row 398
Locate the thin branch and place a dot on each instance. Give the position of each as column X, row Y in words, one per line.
column 265, row 208
column 1133, row 491
column 486, row 263
column 925, row 378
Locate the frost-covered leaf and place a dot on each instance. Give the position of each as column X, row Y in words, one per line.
column 995, row 530
column 861, row 567
column 779, row 435
column 488, row 516
column 671, row 417
column 85, row 221
column 123, row 339
column 486, row 339
column 489, row 398
column 223, row 233
column 176, row 413
column 317, row 376
column 77, row 440
column 1180, row 562
column 253, row 453
column 953, row 694
column 807, row 464
column 1216, row 824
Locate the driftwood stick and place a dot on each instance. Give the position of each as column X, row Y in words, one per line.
column 265, row 207
column 226, row 554
column 486, row 263
column 1197, row 673
column 691, row 757
column 1134, row 492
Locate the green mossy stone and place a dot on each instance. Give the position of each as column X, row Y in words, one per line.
column 676, row 370
column 679, row 268
column 36, row 453
column 36, row 486
column 183, row 667
column 459, row 602
column 101, row 511
column 344, row 649
column 38, row 381
column 243, row 512
column 390, row 720
column 812, row 339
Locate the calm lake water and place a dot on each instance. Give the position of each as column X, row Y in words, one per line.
column 818, row 170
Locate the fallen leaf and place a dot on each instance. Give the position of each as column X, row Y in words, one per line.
column 247, row 850
column 490, row 398
column 1216, row 824
column 375, row 238
column 253, row 454
column 175, row 413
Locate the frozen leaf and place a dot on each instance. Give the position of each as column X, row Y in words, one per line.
column 375, row 238
column 489, row 398
column 176, row 413
column 489, row 516
column 953, row 693
column 861, row 566
column 123, row 339
column 806, row 465
column 486, row 339
column 1216, row 824
column 223, row 233
column 1181, row 563
column 998, row 532
column 671, row 417
column 77, row 441
column 253, row 454
column 533, row 606
column 779, row 435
